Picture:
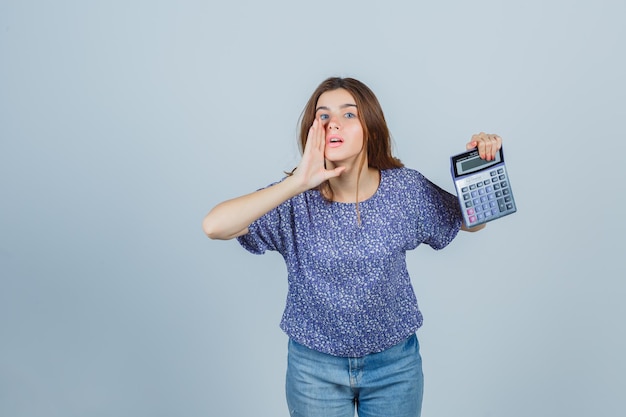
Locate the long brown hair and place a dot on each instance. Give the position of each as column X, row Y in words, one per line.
column 376, row 137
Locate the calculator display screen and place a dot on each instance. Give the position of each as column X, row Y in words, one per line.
column 471, row 162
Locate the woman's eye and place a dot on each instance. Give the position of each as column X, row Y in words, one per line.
column 323, row 116
column 350, row 115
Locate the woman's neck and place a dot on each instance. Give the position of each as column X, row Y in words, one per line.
column 346, row 185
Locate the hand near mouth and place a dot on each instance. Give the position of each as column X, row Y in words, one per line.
column 312, row 171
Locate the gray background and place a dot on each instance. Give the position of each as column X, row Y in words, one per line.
column 123, row 122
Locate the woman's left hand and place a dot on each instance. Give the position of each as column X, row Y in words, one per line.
column 488, row 145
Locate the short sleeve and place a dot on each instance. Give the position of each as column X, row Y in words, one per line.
column 269, row 232
column 261, row 235
column 440, row 215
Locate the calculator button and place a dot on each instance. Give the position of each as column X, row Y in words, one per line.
column 481, row 191
column 464, row 189
column 501, row 205
column 480, row 184
column 495, row 179
column 489, row 189
column 486, row 182
column 466, row 197
column 500, row 170
column 493, row 173
column 476, row 201
column 506, row 192
column 503, row 184
column 470, row 211
column 509, row 206
column 502, row 177
column 472, row 187
column 496, row 186
column 474, row 193
column 472, row 219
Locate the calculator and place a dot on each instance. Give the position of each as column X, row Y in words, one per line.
column 483, row 187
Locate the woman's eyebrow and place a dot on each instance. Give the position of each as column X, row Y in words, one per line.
column 343, row 106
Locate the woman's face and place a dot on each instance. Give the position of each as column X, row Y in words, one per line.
column 344, row 134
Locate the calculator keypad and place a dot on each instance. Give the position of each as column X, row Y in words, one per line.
column 487, row 197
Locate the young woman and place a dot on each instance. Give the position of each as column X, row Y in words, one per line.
column 343, row 221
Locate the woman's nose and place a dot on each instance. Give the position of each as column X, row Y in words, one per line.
column 333, row 123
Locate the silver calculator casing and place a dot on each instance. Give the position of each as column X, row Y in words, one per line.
column 483, row 187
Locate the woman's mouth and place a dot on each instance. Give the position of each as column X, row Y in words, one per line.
column 334, row 141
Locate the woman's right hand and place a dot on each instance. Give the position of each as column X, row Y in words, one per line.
column 231, row 218
column 312, row 171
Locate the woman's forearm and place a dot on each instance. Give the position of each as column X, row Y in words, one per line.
column 231, row 218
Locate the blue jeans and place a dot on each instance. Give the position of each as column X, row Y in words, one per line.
column 385, row 384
